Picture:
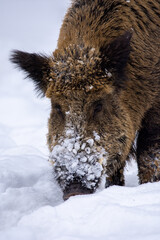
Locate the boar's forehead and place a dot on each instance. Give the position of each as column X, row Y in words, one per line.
column 76, row 68
column 80, row 100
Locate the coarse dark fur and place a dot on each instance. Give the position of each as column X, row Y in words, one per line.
column 106, row 68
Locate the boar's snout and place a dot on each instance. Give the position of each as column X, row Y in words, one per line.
column 75, row 188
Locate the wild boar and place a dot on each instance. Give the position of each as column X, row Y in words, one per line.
column 103, row 81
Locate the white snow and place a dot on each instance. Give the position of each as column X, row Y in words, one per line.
column 97, row 137
column 31, row 205
column 109, row 74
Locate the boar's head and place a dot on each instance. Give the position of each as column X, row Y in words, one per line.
column 90, row 130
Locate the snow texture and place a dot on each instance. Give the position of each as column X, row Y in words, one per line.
column 73, row 157
column 31, row 205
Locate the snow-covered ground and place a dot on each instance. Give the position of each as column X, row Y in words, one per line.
column 31, row 205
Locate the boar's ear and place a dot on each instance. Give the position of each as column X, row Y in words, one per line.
column 35, row 66
column 115, row 57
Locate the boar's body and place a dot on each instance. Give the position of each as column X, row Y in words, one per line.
column 104, row 83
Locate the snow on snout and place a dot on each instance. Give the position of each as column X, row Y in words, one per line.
column 75, row 157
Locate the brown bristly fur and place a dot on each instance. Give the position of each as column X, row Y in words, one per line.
column 109, row 52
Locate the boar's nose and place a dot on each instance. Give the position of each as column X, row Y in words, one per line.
column 75, row 188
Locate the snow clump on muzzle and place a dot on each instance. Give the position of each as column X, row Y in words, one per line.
column 76, row 159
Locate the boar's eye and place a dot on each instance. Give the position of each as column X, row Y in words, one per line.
column 97, row 108
column 59, row 110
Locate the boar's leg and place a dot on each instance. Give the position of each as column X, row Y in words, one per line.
column 118, row 177
column 148, row 147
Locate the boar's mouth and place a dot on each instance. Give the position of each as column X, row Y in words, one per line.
column 75, row 188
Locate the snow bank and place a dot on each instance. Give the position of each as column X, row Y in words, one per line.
column 28, row 208
column 31, row 205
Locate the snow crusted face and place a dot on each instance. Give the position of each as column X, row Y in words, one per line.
column 78, row 159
